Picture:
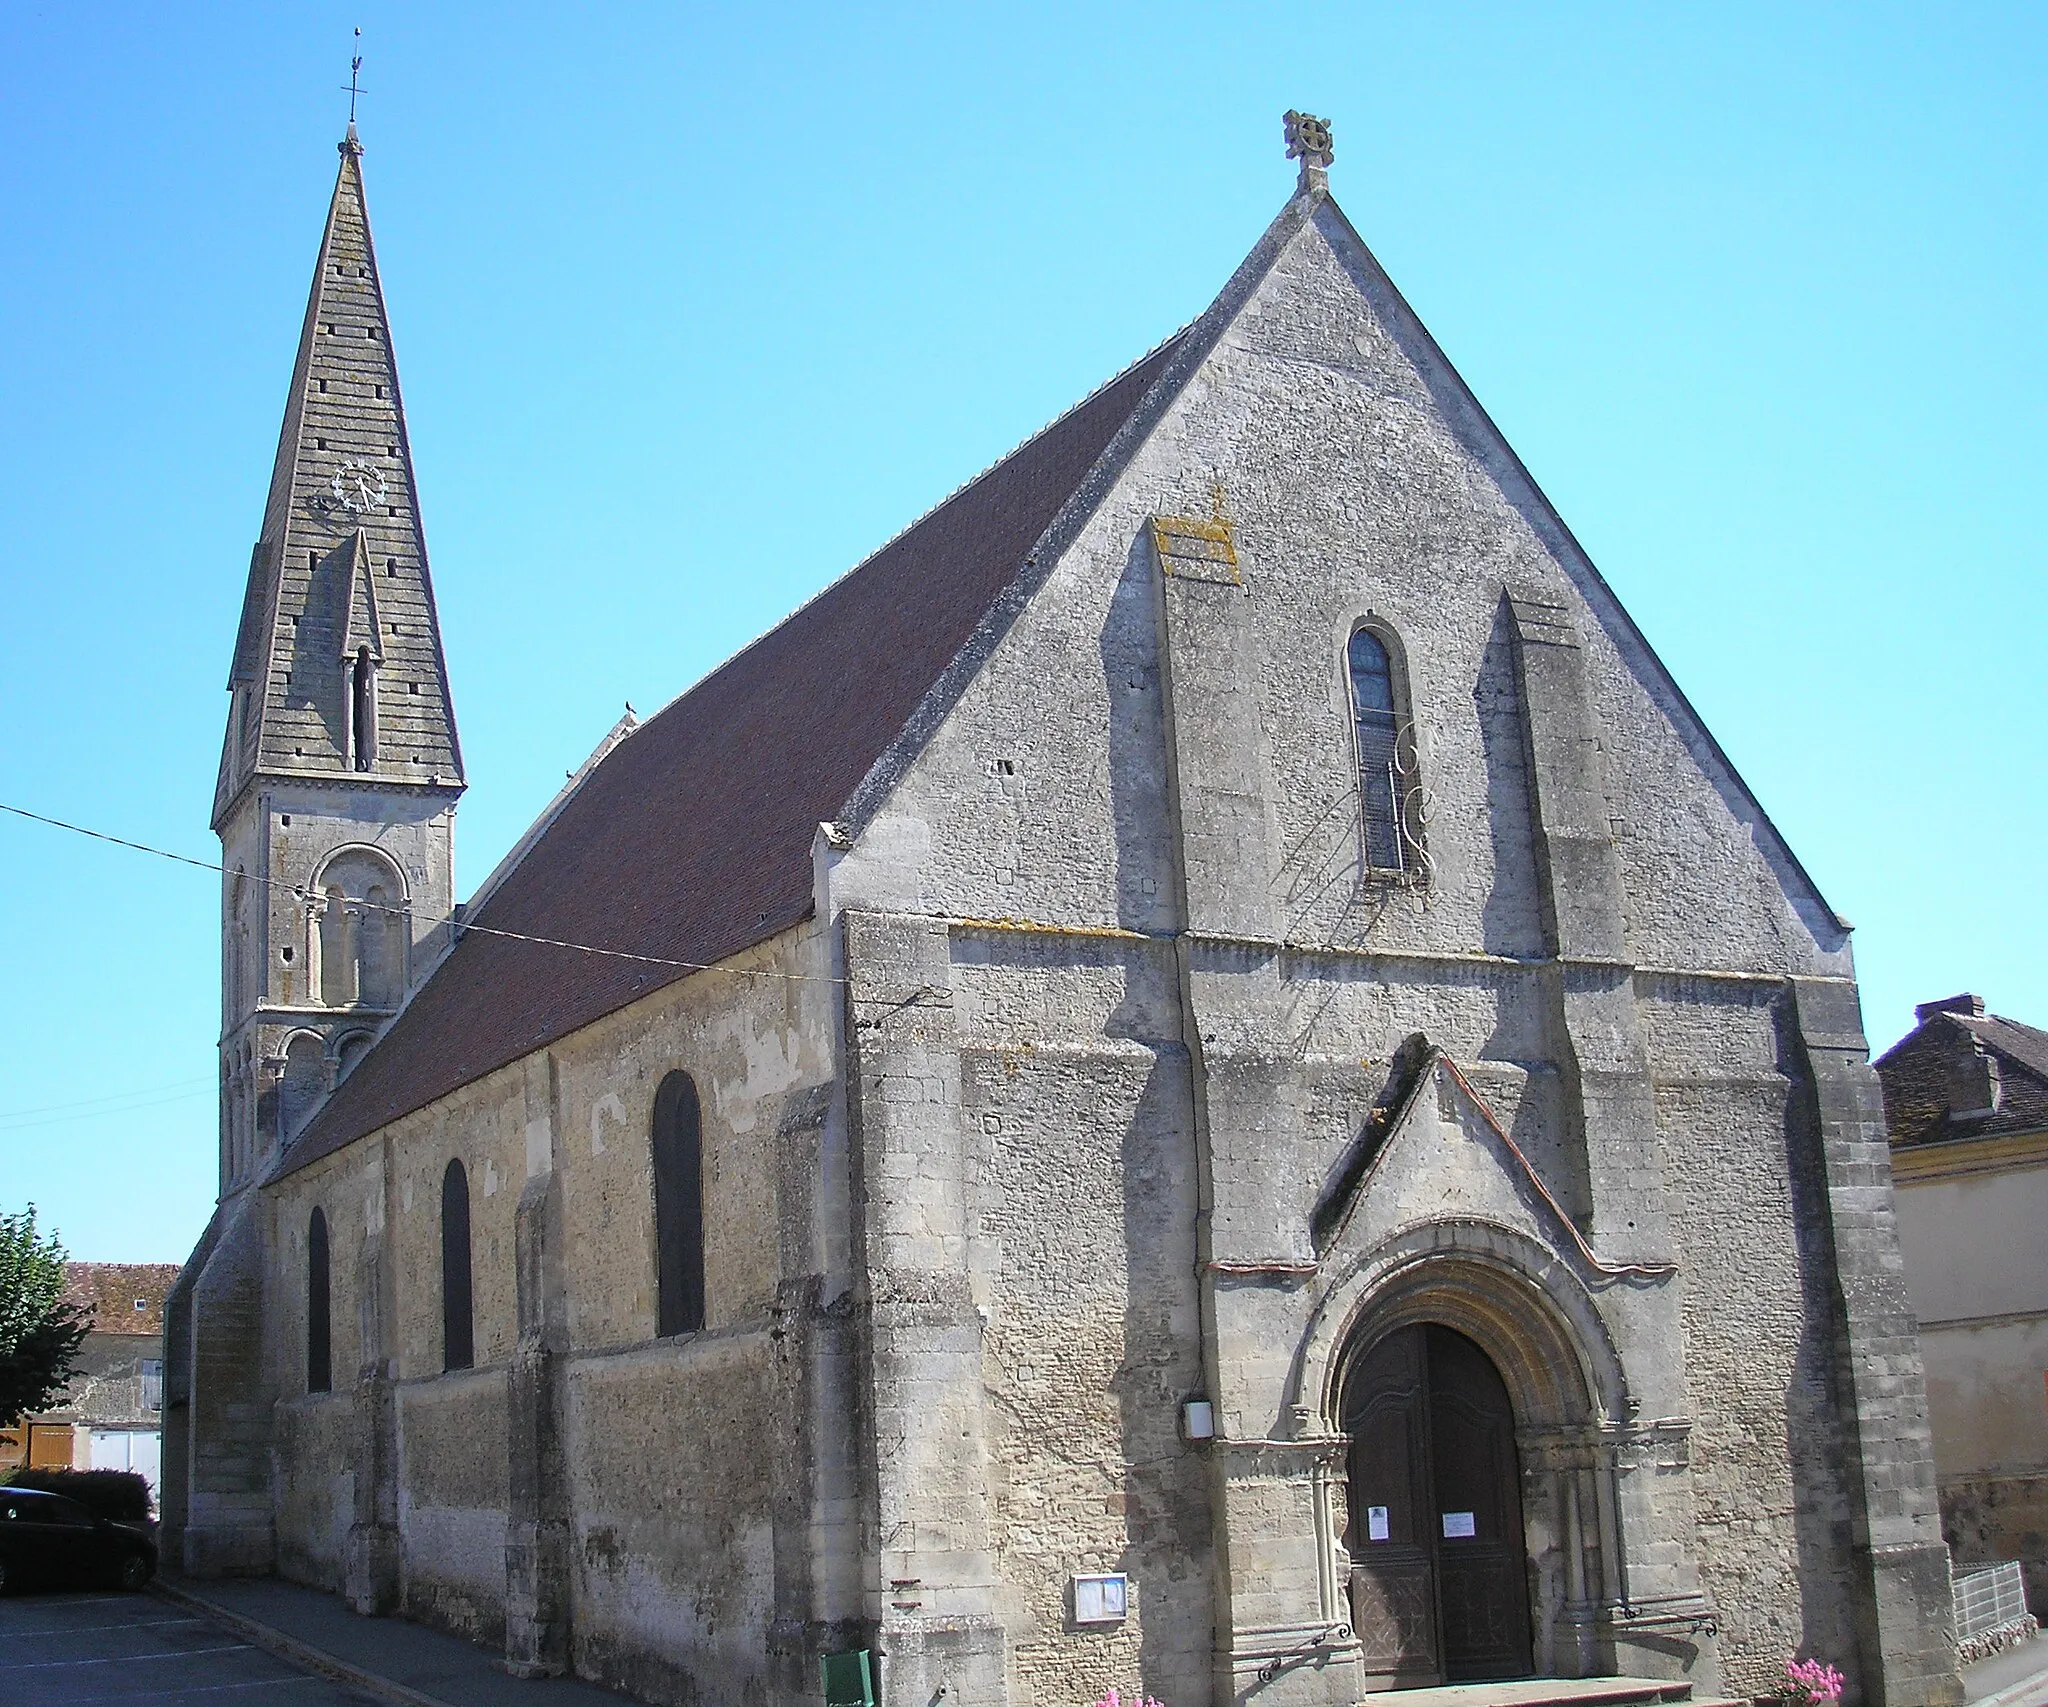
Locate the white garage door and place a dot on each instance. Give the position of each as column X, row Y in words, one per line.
column 129, row 1449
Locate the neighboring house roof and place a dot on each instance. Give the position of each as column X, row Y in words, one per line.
column 112, row 1290
column 1959, row 1062
column 691, row 839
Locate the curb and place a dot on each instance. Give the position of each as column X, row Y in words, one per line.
column 299, row 1653
column 2025, row 1693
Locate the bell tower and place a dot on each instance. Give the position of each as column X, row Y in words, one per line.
column 340, row 770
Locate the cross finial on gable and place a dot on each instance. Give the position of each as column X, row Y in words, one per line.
column 1308, row 140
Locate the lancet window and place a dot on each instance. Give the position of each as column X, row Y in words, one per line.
column 362, row 705
column 678, row 1205
column 458, row 1318
column 319, row 1318
column 1389, row 788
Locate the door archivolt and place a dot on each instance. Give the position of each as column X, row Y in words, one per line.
column 1468, row 1406
column 1515, row 1299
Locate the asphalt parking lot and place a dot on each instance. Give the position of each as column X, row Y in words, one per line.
column 63, row 1650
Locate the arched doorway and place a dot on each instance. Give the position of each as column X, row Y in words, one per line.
column 1440, row 1580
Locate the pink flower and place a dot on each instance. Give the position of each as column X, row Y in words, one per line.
column 1811, row 1682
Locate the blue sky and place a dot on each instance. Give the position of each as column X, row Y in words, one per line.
column 695, row 307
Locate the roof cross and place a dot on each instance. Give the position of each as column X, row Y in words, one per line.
column 1308, row 140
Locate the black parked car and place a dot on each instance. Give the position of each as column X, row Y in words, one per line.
column 48, row 1539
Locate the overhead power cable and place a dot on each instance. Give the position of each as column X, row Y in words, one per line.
column 180, row 1087
column 462, row 929
column 12, row 1123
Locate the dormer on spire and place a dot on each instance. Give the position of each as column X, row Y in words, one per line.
column 363, row 626
column 362, row 655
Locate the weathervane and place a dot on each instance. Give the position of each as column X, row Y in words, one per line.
column 355, row 67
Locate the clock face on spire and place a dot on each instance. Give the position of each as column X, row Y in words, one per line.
column 357, row 487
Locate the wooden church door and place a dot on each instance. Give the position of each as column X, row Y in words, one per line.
column 1439, row 1581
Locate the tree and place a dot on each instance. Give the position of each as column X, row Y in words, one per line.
column 39, row 1332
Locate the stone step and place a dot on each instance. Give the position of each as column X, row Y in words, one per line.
column 1553, row 1692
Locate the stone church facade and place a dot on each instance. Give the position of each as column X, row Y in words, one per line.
column 1202, row 1076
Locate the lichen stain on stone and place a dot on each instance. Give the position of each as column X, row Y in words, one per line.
column 774, row 1062
column 610, row 1106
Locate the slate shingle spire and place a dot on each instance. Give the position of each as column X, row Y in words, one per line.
column 339, row 639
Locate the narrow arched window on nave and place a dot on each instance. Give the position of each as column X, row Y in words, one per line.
column 458, row 1318
column 319, row 1316
column 678, row 1206
column 1388, row 788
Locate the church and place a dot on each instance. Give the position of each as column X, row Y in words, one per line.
column 1198, row 1076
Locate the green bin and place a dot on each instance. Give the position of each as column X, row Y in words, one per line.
column 848, row 1678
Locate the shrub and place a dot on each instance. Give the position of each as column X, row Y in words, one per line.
column 39, row 1333
column 122, row 1495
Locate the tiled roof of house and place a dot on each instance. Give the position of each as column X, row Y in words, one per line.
column 691, row 839
column 112, row 1291
column 1933, row 1065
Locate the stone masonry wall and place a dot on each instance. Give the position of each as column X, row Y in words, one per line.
column 1767, row 1445
column 689, row 1515
column 274, row 846
column 1086, row 1264
column 1358, row 481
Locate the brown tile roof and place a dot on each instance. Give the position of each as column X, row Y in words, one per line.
column 1915, row 1073
column 692, row 839
column 111, row 1290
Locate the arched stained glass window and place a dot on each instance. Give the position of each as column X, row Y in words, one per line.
column 678, row 1206
column 1382, row 783
column 319, row 1310
column 458, row 1327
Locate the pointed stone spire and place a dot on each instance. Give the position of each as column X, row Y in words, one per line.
column 339, row 637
